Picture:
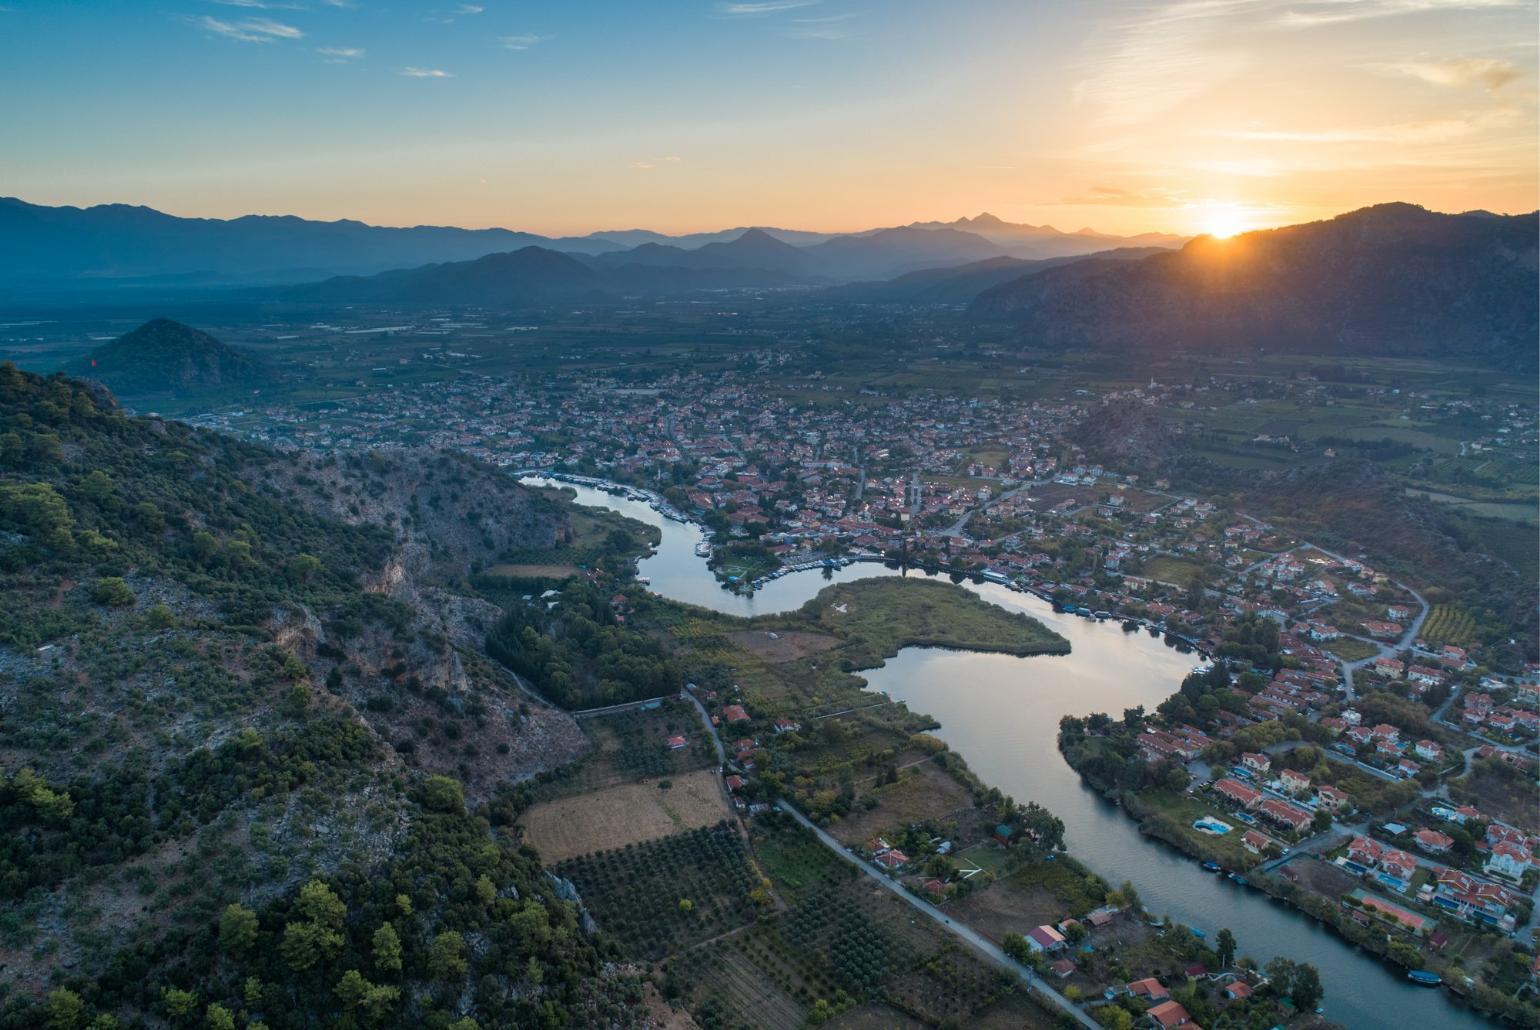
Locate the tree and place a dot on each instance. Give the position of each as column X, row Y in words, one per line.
column 443, row 794
column 1224, row 945
column 446, row 956
column 218, row 1017
column 112, row 592
column 686, row 905
column 387, row 949
column 179, row 1004
column 64, row 1010
column 1016, row 946
column 237, row 928
column 318, row 935
column 319, row 904
column 1307, row 990
column 1114, row 1018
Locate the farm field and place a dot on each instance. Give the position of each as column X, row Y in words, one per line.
column 622, row 815
column 668, row 894
column 1171, row 570
column 509, row 570
column 1038, row 893
column 1350, row 649
column 782, row 647
column 1449, row 624
column 924, row 793
column 632, row 746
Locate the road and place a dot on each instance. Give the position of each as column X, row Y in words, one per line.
column 705, row 720
column 967, row 934
column 588, row 713
column 1385, row 650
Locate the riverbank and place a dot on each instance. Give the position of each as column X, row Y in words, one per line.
column 1005, row 721
column 1158, row 817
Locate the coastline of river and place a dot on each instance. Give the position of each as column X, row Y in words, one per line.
column 1006, row 729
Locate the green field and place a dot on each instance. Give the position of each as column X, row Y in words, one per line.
column 1449, row 624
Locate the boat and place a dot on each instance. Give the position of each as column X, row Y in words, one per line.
column 1424, row 977
column 1211, row 866
column 703, row 550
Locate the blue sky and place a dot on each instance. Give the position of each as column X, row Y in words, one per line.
column 567, row 117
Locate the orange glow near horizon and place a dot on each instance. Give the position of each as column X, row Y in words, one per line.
column 1223, row 219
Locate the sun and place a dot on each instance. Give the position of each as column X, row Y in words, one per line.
column 1223, row 219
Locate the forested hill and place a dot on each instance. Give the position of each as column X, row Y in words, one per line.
column 247, row 747
column 1391, row 279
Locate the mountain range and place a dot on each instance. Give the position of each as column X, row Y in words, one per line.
column 112, row 246
column 1388, row 279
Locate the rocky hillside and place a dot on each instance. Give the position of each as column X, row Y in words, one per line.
column 1392, row 279
column 246, row 729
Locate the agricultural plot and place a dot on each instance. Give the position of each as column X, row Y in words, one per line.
column 785, row 646
column 624, row 815
column 669, row 894
column 949, row 988
column 795, row 861
column 632, row 746
column 1038, row 893
column 1449, row 624
column 924, row 793
column 1350, row 649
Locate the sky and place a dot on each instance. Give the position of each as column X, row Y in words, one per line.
column 688, row 115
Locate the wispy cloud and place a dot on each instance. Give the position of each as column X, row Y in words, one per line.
column 267, row 5
column 339, row 54
column 250, row 30
column 521, row 41
column 1435, row 130
column 751, row 9
column 1143, row 66
column 1118, row 196
column 829, row 26
column 1313, row 13
column 1488, row 72
column 469, row 9
column 426, row 73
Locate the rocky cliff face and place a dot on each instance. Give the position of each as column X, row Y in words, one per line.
column 450, row 514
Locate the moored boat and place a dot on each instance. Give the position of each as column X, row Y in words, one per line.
column 1424, row 977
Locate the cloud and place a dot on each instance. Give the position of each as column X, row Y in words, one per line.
column 1313, row 13
column 339, row 54
column 250, row 30
column 262, row 4
column 1142, row 67
column 1488, row 72
column 426, row 73
column 833, row 26
column 1117, row 196
column 521, row 41
column 753, row 9
column 469, row 9
column 1439, row 130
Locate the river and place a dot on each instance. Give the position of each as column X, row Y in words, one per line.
column 1002, row 714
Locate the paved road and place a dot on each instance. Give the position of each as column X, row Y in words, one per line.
column 628, row 706
column 705, row 720
column 980, row 943
column 1389, row 650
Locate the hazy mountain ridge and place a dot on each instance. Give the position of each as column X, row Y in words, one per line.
column 1393, row 278
column 118, row 245
column 108, row 242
